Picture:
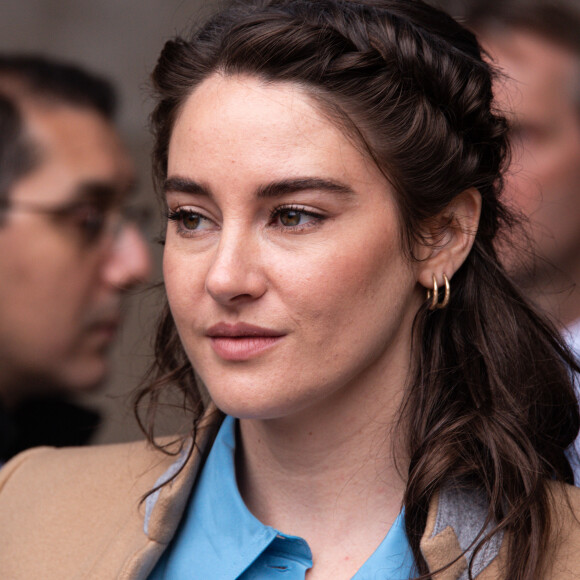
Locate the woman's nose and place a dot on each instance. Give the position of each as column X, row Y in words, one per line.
column 235, row 275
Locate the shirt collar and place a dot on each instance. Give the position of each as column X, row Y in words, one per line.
column 219, row 536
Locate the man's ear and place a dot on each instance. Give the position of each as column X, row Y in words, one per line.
column 449, row 237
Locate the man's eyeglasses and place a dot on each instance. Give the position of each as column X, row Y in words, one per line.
column 92, row 219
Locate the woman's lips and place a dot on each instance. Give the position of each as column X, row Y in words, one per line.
column 237, row 342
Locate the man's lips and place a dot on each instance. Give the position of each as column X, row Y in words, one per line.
column 106, row 328
column 241, row 341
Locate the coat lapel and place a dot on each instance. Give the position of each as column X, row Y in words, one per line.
column 133, row 551
column 456, row 516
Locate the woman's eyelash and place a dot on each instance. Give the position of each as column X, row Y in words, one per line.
column 176, row 214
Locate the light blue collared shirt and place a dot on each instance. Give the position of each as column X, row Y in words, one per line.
column 220, row 539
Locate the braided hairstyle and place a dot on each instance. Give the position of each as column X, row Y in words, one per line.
column 490, row 404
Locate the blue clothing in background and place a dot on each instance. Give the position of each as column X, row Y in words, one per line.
column 220, row 539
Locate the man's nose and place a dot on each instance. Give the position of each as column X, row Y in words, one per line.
column 129, row 261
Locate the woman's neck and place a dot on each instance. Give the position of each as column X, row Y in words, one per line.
column 335, row 478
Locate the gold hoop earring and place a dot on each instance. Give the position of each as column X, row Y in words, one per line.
column 447, row 294
column 434, row 295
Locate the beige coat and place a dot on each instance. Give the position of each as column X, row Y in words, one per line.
column 76, row 514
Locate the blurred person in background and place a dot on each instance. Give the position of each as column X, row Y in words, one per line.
column 536, row 43
column 68, row 251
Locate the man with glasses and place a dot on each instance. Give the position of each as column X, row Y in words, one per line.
column 69, row 249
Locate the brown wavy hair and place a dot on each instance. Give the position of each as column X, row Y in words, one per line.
column 490, row 404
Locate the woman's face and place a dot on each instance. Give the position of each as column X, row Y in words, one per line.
column 283, row 262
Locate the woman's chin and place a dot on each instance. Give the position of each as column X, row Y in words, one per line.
column 252, row 404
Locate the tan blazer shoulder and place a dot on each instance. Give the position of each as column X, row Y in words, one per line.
column 78, row 513
column 62, row 511
column 564, row 548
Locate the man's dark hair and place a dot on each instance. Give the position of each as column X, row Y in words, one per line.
column 61, row 82
column 13, row 151
column 36, row 78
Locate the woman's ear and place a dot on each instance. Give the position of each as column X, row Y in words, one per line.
column 449, row 237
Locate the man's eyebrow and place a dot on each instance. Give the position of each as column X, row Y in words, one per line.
column 288, row 186
column 100, row 192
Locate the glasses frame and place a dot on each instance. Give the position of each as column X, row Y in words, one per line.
column 107, row 221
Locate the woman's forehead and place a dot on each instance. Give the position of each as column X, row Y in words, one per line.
column 235, row 118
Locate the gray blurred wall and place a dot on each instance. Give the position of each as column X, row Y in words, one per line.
column 120, row 39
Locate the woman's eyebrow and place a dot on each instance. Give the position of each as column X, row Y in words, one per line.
column 287, row 186
column 273, row 189
column 184, row 185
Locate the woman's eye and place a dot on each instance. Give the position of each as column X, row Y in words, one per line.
column 294, row 217
column 189, row 221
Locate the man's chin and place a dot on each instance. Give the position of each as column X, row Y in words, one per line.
column 86, row 376
column 45, row 383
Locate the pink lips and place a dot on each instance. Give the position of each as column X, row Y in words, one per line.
column 237, row 342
